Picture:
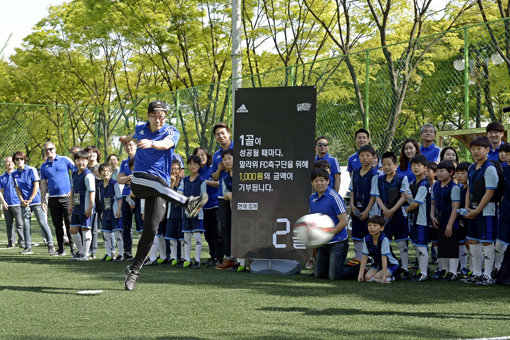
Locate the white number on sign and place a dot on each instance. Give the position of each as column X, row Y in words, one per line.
column 281, row 232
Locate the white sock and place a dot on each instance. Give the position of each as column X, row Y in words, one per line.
column 489, row 255
column 87, row 240
column 241, row 261
column 463, row 256
column 198, row 245
column 120, row 241
column 112, row 240
column 475, row 251
column 108, row 244
column 443, row 263
column 435, row 249
column 187, row 247
column 404, row 254
column 470, row 258
column 183, row 245
column 358, row 249
column 162, row 247
column 453, row 265
column 153, row 254
column 77, row 242
column 423, row 259
column 500, row 249
column 173, row 249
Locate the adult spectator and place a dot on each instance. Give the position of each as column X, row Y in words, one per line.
column 26, row 180
column 321, row 150
column 56, row 180
column 410, row 148
column 113, row 161
column 495, row 133
column 361, row 137
column 11, row 206
column 428, row 148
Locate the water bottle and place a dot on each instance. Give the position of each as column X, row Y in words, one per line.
column 462, row 211
column 409, row 196
column 28, row 214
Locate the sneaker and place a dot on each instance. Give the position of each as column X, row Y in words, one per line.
column 62, row 253
column 172, row 262
column 119, row 258
column 450, row 277
column 107, row 258
column 226, row 264
column 26, row 251
column 212, row 263
column 76, row 257
column 162, row 261
column 196, row 265
column 186, row 264
column 470, row 279
column 149, row 262
column 51, row 250
column 439, row 274
column 10, row 246
column 92, row 255
column 419, row 278
column 309, row 264
column 195, row 203
column 238, row 268
column 131, row 276
column 84, row 258
column 485, row 281
column 353, row 262
column 128, row 257
column 464, row 271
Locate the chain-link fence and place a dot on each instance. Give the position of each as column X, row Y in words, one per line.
column 454, row 80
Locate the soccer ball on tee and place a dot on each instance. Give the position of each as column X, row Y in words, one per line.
column 314, row 229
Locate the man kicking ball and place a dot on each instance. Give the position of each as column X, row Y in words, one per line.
column 156, row 141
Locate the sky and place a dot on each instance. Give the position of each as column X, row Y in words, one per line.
column 18, row 17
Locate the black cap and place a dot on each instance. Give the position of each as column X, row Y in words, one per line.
column 153, row 108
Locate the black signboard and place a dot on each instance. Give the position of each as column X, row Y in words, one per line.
column 273, row 156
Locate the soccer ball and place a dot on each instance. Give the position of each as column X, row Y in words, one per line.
column 314, row 229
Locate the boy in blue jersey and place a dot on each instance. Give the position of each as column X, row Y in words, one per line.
column 193, row 185
column 322, row 148
column 110, row 201
column 173, row 231
column 361, row 200
column 431, row 176
column 82, row 206
column 503, row 238
column 461, row 174
column 482, row 211
column 388, row 190
column 417, row 215
column 445, row 200
column 330, row 259
column 377, row 245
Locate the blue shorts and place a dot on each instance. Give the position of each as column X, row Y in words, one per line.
column 482, row 228
column 359, row 228
column 162, row 227
column 192, row 225
column 392, row 268
column 79, row 220
column 420, row 235
column 504, row 230
column 396, row 228
column 108, row 225
column 174, row 229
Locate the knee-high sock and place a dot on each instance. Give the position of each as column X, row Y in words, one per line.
column 358, row 249
column 120, row 241
column 173, row 249
column 187, row 246
column 153, row 255
column 404, row 254
column 500, row 249
column 162, row 246
column 198, row 245
column 489, row 255
column 463, row 256
column 242, row 261
column 475, row 251
column 78, row 242
column 443, row 263
column 453, row 264
column 108, row 243
column 87, row 240
column 423, row 259
column 183, row 243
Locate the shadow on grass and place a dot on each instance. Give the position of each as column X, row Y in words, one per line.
column 46, row 290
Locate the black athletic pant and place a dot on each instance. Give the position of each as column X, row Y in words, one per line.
column 225, row 213
column 213, row 233
column 59, row 210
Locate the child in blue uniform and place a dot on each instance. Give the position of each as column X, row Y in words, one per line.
column 461, row 174
column 330, row 259
column 388, row 190
column 82, row 205
column 193, row 185
column 110, row 201
column 361, row 201
column 445, row 201
column 503, row 238
column 417, row 215
column 431, row 175
column 377, row 246
column 174, row 219
column 482, row 211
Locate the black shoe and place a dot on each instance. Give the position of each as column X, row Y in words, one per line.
column 419, row 278
column 195, row 203
column 495, row 273
column 128, row 257
column 439, row 274
column 196, row 265
column 450, row 277
column 131, row 276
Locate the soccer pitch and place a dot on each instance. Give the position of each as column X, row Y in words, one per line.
column 39, row 300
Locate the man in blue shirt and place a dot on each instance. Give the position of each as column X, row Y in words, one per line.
column 428, row 148
column 12, row 208
column 55, row 180
column 322, row 148
column 495, row 133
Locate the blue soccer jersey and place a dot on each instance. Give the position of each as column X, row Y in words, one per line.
column 24, row 179
column 485, row 173
column 153, row 161
column 56, row 172
column 408, row 172
column 432, row 152
column 443, row 197
column 205, row 172
column 124, row 169
column 216, row 160
column 109, row 197
column 7, row 185
column 331, row 204
column 377, row 251
column 82, row 184
column 333, row 165
column 494, row 154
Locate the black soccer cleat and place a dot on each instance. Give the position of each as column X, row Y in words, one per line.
column 195, row 203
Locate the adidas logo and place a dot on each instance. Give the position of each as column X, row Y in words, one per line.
column 242, row 109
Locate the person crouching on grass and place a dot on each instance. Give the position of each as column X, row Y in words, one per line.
column 377, row 246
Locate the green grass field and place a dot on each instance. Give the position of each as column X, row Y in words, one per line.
column 39, row 300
